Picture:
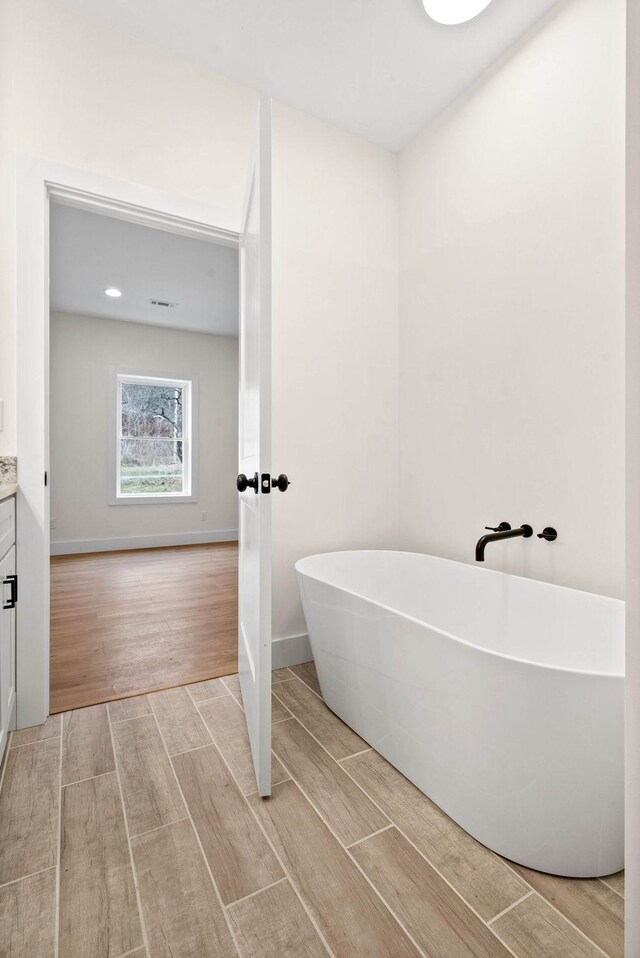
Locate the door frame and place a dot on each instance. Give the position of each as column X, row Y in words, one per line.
column 632, row 426
column 38, row 183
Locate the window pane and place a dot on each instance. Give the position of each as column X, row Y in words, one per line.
column 151, row 410
column 149, row 466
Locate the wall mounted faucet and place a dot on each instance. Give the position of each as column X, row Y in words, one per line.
column 503, row 531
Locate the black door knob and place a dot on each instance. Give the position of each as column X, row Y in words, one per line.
column 242, row 483
column 281, row 483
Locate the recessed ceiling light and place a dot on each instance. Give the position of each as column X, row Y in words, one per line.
column 454, row 11
column 113, row 292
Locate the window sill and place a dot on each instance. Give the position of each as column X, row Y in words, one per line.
column 150, row 500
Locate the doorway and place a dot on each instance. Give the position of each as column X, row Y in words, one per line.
column 40, row 183
column 143, row 453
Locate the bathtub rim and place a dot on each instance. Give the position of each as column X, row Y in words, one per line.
column 450, row 635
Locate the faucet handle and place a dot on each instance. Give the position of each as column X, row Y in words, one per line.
column 503, row 527
column 549, row 533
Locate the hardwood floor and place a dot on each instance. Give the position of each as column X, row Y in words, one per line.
column 164, row 848
column 123, row 623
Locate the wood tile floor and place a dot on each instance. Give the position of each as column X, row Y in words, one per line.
column 145, row 619
column 134, row 829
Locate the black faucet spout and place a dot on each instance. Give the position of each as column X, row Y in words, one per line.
column 524, row 531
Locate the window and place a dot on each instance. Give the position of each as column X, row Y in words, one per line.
column 154, row 439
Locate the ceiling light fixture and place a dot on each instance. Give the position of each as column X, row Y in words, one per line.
column 113, row 292
column 454, row 11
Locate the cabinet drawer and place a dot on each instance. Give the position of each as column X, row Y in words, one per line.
column 7, row 525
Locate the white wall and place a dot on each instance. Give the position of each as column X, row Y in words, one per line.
column 78, row 93
column 335, row 348
column 84, row 350
column 511, row 244
column 512, row 309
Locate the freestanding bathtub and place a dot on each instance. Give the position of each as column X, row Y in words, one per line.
column 500, row 697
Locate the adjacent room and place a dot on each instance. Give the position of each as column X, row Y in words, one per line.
column 144, row 437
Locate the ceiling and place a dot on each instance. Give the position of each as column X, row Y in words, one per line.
column 379, row 68
column 91, row 252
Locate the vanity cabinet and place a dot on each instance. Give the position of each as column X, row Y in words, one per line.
column 9, row 590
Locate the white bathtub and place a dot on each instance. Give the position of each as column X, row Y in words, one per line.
column 500, row 697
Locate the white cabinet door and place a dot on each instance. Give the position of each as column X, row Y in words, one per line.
column 254, row 573
column 7, row 646
column 7, row 525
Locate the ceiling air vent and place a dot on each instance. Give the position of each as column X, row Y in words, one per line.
column 164, row 303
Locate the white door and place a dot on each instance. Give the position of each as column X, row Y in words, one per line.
column 254, row 484
column 8, row 585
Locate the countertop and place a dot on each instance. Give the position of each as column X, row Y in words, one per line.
column 7, row 490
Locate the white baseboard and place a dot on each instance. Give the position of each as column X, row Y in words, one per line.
column 74, row 547
column 293, row 650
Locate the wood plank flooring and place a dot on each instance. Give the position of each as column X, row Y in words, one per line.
column 27, row 916
column 163, row 849
column 123, row 623
column 98, row 908
column 181, row 909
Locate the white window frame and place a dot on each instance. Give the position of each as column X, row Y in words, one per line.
column 189, row 386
